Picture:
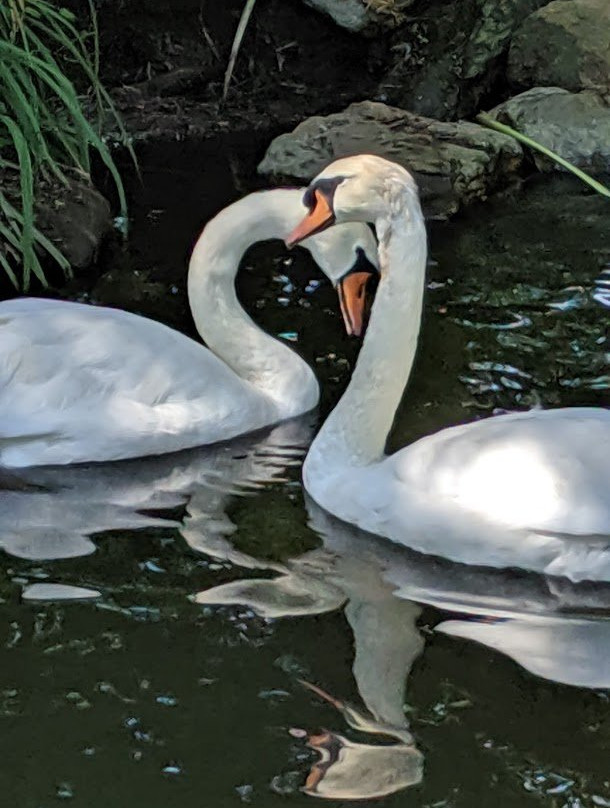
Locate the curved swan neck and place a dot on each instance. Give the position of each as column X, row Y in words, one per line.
column 269, row 365
column 355, row 433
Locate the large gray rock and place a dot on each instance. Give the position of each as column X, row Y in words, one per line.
column 357, row 15
column 445, row 61
column 564, row 44
column 575, row 125
column 453, row 162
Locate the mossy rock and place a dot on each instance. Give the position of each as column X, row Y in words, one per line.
column 564, row 44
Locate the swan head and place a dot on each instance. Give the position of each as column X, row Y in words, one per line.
column 343, row 249
column 347, row 254
column 364, row 188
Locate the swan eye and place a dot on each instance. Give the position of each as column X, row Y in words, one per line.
column 326, row 187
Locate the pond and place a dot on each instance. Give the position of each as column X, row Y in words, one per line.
column 234, row 644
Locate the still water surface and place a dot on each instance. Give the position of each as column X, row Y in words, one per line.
column 235, row 644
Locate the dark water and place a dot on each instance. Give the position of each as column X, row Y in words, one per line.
column 445, row 686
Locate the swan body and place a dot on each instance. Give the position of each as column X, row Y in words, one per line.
column 80, row 383
column 528, row 489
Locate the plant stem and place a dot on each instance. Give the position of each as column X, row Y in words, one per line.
column 239, row 35
column 492, row 123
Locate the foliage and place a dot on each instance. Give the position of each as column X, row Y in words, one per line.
column 44, row 131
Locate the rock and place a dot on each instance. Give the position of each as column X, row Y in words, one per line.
column 357, row 15
column 445, row 61
column 494, row 25
column 75, row 218
column 453, row 162
column 564, row 44
column 350, row 14
column 575, row 125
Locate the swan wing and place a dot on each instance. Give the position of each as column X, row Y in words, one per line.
column 84, row 383
column 543, row 470
column 530, row 490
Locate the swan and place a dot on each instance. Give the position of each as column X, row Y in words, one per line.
column 527, row 489
column 555, row 629
column 80, row 383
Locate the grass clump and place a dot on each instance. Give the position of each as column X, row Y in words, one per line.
column 44, row 131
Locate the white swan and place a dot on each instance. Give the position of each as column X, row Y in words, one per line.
column 80, row 383
column 529, row 489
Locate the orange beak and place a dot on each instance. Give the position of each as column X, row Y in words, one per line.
column 352, row 298
column 319, row 218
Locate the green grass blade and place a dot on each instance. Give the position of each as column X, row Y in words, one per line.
column 66, row 40
column 26, row 181
column 65, row 92
column 26, row 108
column 16, row 218
column 5, row 234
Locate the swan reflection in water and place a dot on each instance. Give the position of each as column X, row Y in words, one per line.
column 555, row 629
column 52, row 512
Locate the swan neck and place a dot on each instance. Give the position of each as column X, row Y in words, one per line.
column 356, row 431
column 258, row 358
